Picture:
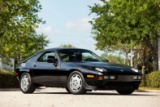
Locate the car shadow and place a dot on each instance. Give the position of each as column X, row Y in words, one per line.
column 116, row 94
column 96, row 94
column 9, row 89
column 51, row 93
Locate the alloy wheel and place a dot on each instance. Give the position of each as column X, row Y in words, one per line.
column 75, row 82
column 25, row 82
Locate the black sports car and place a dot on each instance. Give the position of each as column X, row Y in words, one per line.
column 77, row 70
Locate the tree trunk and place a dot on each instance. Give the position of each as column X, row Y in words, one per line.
column 155, row 67
column 0, row 64
column 127, row 58
column 153, row 46
column 144, row 60
column 131, row 59
column 15, row 63
column 136, row 58
column 155, row 56
column 158, row 53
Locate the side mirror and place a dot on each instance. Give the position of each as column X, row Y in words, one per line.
column 51, row 59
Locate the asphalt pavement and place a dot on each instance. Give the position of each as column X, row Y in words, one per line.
column 58, row 97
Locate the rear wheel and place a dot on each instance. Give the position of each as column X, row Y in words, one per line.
column 75, row 84
column 126, row 92
column 26, row 84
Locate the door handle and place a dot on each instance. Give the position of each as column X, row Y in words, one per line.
column 34, row 65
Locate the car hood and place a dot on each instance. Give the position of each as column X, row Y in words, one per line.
column 110, row 68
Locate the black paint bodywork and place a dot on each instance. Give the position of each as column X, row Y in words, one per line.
column 56, row 75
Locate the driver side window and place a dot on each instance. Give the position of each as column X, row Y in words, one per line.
column 44, row 57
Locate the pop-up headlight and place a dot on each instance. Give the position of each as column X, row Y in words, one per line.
column 100, row 69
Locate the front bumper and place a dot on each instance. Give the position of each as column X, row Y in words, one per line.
column 120, row 82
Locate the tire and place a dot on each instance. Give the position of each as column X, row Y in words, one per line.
column 26, row 84
column 67, row 90
column 75, row 83
column 126, row 92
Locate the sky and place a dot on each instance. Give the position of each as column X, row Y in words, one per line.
column 67, row 23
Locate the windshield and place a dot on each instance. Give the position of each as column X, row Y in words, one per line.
column 77, row 55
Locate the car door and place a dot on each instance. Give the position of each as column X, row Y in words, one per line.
column 46, row 73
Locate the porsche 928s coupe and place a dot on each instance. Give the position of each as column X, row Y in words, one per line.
column 77, row 70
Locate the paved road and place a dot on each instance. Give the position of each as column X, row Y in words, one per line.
column 58, row 97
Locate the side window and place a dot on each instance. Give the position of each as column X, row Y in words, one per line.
column 64, row 57
column 44, row 57
column 70, row 56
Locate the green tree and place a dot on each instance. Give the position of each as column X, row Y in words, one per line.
column 123, row 21
column 112, row 58
column 18, row 20
column 66, row 46
column 18, row 14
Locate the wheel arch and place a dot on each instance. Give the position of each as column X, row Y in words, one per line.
column 72, row 70
column 86, row 86
column 21, row 72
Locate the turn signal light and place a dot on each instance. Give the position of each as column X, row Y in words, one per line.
column 100, row 77
column 90, row 76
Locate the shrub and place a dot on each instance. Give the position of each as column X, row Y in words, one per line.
column 151, row 80
column 8, row 79
column 154, row 79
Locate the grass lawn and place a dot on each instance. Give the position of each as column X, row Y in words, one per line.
column 148, row 88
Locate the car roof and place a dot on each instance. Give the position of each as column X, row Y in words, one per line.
column 64, row 49
column 55, row 49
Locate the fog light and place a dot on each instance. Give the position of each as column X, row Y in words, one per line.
column 100, row 77
column 90, row 76
column 135, row 77
column 106, row 77
column 112, row 77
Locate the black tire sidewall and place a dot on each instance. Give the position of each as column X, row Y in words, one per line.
column 67, row 90
column 125, row 92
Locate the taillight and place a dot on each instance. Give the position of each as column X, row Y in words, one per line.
column 16, row 73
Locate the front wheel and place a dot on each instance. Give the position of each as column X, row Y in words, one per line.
column 26, row 84
column 126, row 92
column 75, row 84
column 67, row 90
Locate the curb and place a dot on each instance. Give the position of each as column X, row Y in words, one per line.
column 157, row 91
